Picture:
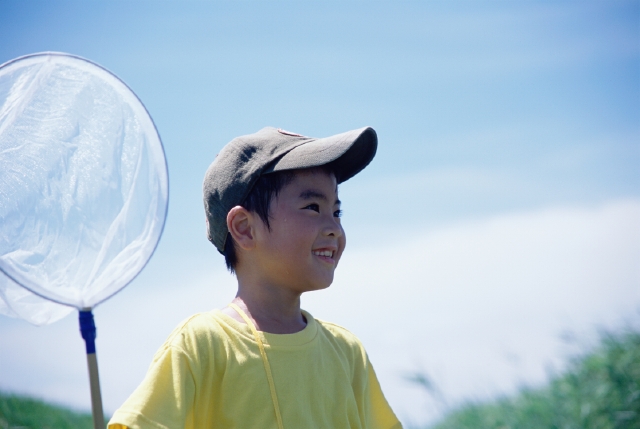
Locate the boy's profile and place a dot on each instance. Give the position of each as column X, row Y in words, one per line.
column 272, row 208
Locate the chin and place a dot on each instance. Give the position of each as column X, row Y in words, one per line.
column 317, row 286
column 324, row 286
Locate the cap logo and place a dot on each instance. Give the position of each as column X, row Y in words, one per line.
column 289, row 133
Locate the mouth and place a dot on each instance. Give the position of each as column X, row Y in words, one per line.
column 325, row 254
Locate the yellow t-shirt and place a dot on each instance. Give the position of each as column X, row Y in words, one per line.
column 209, row 374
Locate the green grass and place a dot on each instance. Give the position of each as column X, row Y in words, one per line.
column 17, row 412
column 600, row 390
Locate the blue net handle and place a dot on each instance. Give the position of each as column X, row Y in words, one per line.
column 88, row 331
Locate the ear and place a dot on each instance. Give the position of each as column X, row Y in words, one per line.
column 240, row 225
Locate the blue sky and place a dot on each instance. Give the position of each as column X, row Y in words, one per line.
column 509, row 133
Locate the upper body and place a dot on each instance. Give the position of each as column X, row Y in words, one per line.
column 272, row 207
column 209, row 374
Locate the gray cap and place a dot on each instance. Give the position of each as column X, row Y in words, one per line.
column 238, row 166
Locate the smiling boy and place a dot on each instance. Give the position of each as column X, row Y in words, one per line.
column 271, row 200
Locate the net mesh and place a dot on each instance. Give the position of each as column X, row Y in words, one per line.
column 83, row 180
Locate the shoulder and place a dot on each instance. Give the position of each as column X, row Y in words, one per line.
column 338, row 331
column 194, row 326
column 198, row 333
column 342, row 338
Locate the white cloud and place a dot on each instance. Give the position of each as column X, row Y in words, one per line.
column 480, row 306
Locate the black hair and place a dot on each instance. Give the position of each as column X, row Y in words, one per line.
column 258, row 201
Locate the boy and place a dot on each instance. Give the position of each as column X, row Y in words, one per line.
column 272, row 210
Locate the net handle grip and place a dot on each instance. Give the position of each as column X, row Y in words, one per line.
column 88, row 332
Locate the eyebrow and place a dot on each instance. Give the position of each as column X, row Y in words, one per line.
column 311, row 194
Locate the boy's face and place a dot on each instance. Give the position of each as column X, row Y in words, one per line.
column 306, row 239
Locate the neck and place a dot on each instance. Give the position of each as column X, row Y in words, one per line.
column 271, row 309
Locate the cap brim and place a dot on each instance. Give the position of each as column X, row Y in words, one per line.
column 346, row 154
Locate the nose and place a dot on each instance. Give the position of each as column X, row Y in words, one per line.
column 333, row 227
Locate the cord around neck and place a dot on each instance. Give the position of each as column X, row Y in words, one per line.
column 265, row 361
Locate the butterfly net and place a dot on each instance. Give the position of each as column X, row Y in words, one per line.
column 83, row 185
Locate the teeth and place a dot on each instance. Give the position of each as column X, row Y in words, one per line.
column 328, row 253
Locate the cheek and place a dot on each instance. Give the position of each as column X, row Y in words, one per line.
column 342, row 243
column 295, row 238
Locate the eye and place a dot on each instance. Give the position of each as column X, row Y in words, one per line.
column 315, row 207
column 337, row 213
